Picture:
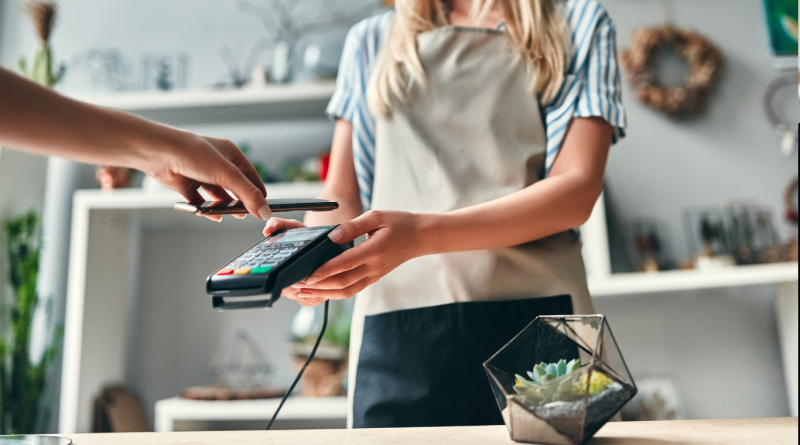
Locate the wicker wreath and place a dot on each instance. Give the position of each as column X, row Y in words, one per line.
column 705, row 63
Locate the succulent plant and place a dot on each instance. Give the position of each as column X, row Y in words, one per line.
column 561, row 381
column 549, row 382
column 597, row 383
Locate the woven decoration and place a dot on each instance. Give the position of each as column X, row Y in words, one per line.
column 705, row 64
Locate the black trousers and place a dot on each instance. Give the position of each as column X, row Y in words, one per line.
column 424, row 367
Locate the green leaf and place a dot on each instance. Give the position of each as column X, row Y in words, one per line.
column 523, row 382
column 561, row 367
column 539, row 371
column 573, row 365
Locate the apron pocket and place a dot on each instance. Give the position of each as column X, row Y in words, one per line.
column 424, row 367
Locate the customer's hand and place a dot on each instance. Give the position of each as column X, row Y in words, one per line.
column 188, row 161
column 36, row 119
column 392, row 239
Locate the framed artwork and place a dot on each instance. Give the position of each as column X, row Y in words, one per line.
column 781, row 18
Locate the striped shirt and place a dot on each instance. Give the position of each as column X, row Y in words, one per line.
column 591, row 84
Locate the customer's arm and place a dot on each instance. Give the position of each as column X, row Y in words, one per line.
column 35, row 119
column 562, row 201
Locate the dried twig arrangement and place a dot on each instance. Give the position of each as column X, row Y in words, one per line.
column 43, row 15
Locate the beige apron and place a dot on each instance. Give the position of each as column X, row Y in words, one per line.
column 473, row 134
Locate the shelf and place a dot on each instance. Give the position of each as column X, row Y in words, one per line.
column 679, row 280
column 296, row 408
column 274, row 102
column 135, row 198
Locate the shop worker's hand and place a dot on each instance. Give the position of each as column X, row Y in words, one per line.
column 193, row 161
column 280, row 224
column 392, row 239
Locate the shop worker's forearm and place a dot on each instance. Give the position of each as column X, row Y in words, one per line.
column 341, row 184
column 39, row 120
column 540, row 210
column 562, row 201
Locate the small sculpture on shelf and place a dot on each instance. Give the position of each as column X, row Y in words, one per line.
column 165, row 71
column 111, row 178
column 649, row 246
column 707, row 234
column 41, row 70
column 101, row 70
column 287, row 23
column 241, row 372
column 752, row 232
column 788, row 251
column 659, row 398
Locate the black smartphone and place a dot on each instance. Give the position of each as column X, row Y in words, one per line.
column 236, row 207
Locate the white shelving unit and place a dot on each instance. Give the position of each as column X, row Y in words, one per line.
column 273, row 102
column 104, row 252
column 169, row 411
column 681, row 280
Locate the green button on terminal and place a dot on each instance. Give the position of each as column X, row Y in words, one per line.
column 258, row 270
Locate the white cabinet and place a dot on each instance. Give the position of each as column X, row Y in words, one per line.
column 331, row 410
column 106, row 287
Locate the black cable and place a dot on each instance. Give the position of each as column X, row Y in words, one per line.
column 300, row 374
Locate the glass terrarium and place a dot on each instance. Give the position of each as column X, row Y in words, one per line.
column 560, row 379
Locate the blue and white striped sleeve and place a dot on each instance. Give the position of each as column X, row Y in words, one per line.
column 592, row 84
column 344, row 101
column 601, row 95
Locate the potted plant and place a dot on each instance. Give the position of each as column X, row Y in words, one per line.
column 560, row 380
column 325, row 375
column 22, row 380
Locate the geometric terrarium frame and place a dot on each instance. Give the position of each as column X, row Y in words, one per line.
column 560, row 380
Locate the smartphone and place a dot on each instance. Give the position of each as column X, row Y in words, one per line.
column 235, row 207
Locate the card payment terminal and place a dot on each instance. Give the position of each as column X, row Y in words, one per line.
column 256, row 278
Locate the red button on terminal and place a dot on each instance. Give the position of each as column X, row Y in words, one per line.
column 225, row 272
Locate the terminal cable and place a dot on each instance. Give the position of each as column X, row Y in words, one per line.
column 300, row 374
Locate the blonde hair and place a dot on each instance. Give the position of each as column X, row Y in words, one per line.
column 537, row 29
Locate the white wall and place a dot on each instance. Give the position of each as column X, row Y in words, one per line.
column 140, row 27
column 178, row 335
column 730, row 152
column 721, row 345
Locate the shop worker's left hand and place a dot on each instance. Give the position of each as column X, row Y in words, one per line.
column 392, row 239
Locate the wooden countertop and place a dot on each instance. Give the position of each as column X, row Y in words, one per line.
column 728, row 432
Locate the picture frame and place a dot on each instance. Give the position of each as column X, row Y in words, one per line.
column 781, row 18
